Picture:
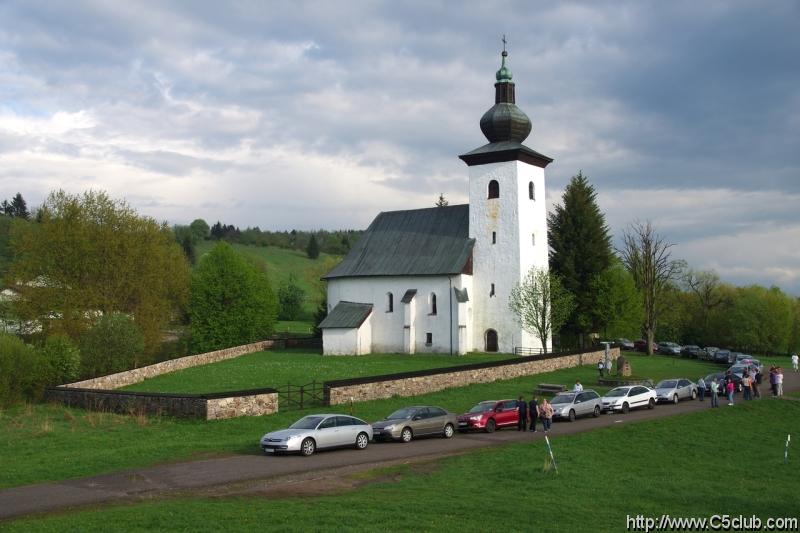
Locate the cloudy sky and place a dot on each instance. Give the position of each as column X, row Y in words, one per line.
column 321, row 114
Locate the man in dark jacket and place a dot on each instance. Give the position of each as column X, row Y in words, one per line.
column 533, row 412
column 522, row 411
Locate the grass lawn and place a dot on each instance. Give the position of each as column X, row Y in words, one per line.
column 49, row 442
column 277, row 368
column 670, row 465
column 297, row 328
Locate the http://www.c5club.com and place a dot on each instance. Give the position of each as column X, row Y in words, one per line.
column 720, row 522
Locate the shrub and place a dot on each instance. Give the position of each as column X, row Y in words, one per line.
column 62, row 358
column 291, row 297
column 114, row 344
column 23, row 374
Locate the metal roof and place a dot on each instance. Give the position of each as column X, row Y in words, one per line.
column 346, row 315
column 461, row 295
column 505, row 151
column 408, row 296
column 416, row 242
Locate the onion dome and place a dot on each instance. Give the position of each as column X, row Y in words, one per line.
column 505, row 121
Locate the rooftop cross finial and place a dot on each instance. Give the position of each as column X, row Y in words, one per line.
column 504, row 74
column 504, row 42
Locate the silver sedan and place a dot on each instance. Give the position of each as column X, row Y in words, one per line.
column 314, row 432
column 673, row 390
column 570, row 405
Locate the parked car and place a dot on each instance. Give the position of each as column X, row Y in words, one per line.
column 641, row 346
column 711, row 350
column 722, row 356
column 628, row 397
column 623, row 344
column 315, row 432
column 693, row 351
column 412, row 422
column 739, row 369
column 669, row 348
column 570, row 405
column 674, row 390
column 737, row 382
column 490, row 415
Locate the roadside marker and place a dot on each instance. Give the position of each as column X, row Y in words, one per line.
column 552, row 457
column 786, row 449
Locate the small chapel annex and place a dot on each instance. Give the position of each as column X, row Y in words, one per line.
column 439, row 279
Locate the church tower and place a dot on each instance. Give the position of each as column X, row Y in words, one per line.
column 507, row 218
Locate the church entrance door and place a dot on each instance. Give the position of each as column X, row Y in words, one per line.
column 491, row 340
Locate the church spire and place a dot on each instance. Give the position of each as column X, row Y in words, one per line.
column 505, row 121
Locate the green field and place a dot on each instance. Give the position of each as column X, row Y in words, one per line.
column 49, row 442
column 277, row 368
column 674, row 465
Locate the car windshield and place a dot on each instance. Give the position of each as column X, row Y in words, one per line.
column 482, row 407
column 617, row 392
column 402, row 414
column 738, row 369
column 667, row 384
column 307, row 422
column 562, row 398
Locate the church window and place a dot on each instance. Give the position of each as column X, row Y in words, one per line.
column 389, row 302
column 494, row 189
column 428, row 339
column 494, row 237
column 533, row 239
column 491, row 292
column 433, row 303
column 531, row 192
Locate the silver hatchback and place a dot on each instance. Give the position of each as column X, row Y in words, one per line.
column 570, row 405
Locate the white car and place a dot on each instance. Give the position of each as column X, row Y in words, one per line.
column 314, row 432
column 628, row 397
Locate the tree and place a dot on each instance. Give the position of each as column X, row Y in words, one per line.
column 291, row 298
column 63, row 359
column 619, row 305
column 19, row 208
column 23, row 374
column 646, row 255
column 200, row 229
column 91, row 256
column 231, row 302
column 187, row 239
column 114, row 344
column 312, row 250
column 580, row 250
column 441, row 202
column 705, row 286
column 540, row 303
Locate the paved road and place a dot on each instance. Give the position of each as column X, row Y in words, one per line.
column 133, row 484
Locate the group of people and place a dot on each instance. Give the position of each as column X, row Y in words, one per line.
column 604, row 367
column 776, row 378
column 530, row 412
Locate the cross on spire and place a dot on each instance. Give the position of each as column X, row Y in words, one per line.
column 504, row 42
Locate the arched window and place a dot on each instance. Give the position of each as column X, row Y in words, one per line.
column 389, row 302
column 494, row 237
column 494, row 189
column 433, row 303
column 533, row 239
column 531, row 192
column 491, row 292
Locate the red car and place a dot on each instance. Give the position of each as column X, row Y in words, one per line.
column 641, row 346
column 490, row 415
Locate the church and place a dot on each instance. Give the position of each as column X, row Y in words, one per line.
column 438, row 280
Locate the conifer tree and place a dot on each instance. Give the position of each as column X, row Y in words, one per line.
column 312, row 250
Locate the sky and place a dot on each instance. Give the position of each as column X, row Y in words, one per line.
column 313, row 115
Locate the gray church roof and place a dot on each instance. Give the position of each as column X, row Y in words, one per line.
column 416, row 242
column 346, row 315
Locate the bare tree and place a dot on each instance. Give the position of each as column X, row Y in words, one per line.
column 541, row 303
column 646, row 255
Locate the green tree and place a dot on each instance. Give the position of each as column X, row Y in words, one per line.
column 114, row 344
column 23, row 374
column 201, row 229
column 231, row 302
column 540, row 303
column 580, row 250
column 291, row 297
column 187, row 239
column 92, row 255
column 619, row 305
column 312, row 250
column 19, row 208
column 442, row 202
column 63, row 359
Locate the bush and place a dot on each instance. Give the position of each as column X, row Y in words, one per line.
column 23, row 374
column 291, row 298
column 114, row 344
column 62, row 358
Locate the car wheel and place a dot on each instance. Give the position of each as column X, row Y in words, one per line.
column 625, row 407
column 448, row 431
column 362, row 440
column 694, row 394
column 675, row 399
column 572, row 415
column 651, row 404
column 308, row 446
column 406, row 435
column 491, row 425
column 596, row 412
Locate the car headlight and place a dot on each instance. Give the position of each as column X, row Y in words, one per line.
column 475, row 418
column 389, row 428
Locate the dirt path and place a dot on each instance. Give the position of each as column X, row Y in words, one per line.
column 287, row 475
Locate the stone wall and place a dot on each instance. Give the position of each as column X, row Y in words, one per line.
column 208, row 406
column 129, row 377
column 414, row 383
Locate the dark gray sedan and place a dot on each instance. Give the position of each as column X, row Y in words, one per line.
column 411, row 422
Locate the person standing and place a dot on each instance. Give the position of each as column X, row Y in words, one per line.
column 729, row 390
column 779, row 381
column 533, row 412
column 522, row 414
column 701, row 389
column 609, row 366
column 756, row 383
column 746, row 381
column 795, row 361
column 772, row 383
column 577, row 387
column 600, row 367
column 547, row 415
column 714, row 393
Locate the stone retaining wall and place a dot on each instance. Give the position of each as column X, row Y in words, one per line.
column 207, row 406
column 343, row 391
column 129, row 377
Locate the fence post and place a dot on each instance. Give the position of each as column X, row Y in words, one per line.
column 301, row 395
